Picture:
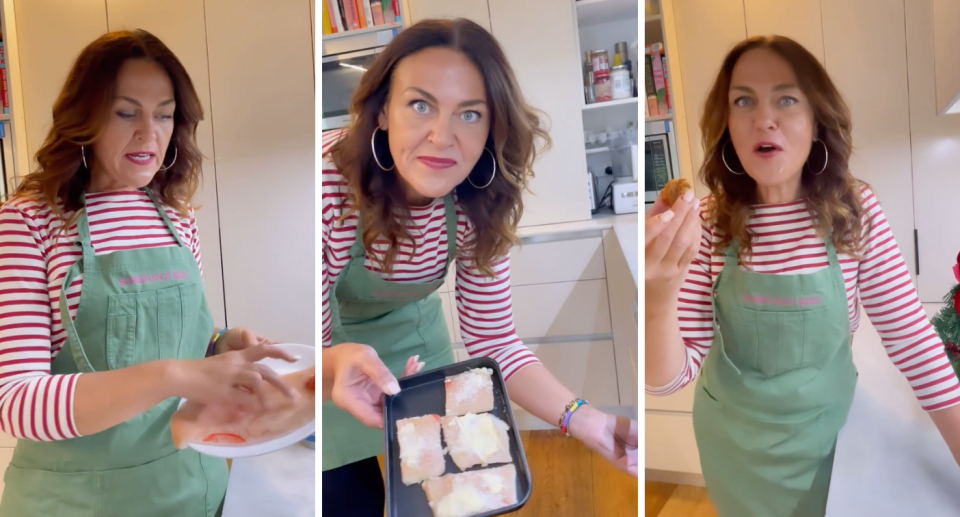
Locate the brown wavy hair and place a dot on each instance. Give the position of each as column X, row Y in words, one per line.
column 82, row 110
column 833, row 196
column 514, row 133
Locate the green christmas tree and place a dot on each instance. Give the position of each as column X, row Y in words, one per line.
column 947, row 321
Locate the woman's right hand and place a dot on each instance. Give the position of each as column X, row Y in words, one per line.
column 231, row 378
column 360, row 379
column 672, row 238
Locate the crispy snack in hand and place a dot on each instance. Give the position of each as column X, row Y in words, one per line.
column 674, row 189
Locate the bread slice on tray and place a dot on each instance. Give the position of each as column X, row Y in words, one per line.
column 476, row 439
column 472, row 493
column 469, row 392
column 421, row 454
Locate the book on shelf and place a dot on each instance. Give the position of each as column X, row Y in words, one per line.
column 4, row 80
column 327, row 27
column 657, row 74
column 347, row 15
column 650, row 91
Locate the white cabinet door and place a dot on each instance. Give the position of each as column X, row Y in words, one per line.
column 547, row 66
column 558, row 261
column 560, row 310
column 475, row 10
column 670, row 444
column 51, row 34
column 799, row 21
column 871, row 72
column 263, row 122
column 936, row 153
column 180, row 25
column 706, row 31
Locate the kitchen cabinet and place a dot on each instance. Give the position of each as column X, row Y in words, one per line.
column 935, row 142
column 800, row 21
column 475, row 10
column 866, row 57
column 263, row 121
column 706, row 30
column 50, row 36
column 548, row 70
column 184, row 34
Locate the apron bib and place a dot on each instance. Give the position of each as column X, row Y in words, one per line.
column 774, row 390
column 135, row 306
column 398, row 320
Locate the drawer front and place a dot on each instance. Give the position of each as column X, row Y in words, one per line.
column 587, row 369
column 681, row 401
column 562, row 309
column 558, row 261
column 670, row 443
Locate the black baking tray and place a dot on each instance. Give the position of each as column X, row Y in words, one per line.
column 423, row 394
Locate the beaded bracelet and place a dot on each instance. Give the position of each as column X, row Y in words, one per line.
column 212, row 349
column 568, row 412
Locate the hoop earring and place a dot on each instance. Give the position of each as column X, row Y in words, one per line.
column 723, row 156
column 373, row 150
column 826, row 158
column 83, row 156
column 494, row 175
column 173, row 162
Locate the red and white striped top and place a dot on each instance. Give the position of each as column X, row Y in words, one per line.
column 34, row 258
column 785, row 242
column 484, row 304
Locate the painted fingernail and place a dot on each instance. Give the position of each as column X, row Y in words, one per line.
column 696, row 204
column 688, row 197
column 416, row 358
column 666, row 216
column 392, row 388
column 420, row 366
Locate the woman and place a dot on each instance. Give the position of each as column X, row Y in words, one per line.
column 788, row 247
column 103, row 319
column 429, row 173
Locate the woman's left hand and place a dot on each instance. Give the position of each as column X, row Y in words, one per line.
column 613, row 437
column 239, row 338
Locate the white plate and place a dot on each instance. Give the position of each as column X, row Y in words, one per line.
column 308, row 358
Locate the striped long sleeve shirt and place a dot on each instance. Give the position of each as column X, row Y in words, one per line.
column 484, row 305
column 785, row 242
column 34, row 258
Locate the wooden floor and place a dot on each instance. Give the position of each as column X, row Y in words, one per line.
column 569, row 480
column 668, row 500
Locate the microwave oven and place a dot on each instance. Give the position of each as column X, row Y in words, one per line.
column 659, row 166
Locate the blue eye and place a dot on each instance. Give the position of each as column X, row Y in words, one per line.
column 788, row 101
column 165, row 117
column 743, row 102
column 470, row 116
column 125, row 116
column 420, row 107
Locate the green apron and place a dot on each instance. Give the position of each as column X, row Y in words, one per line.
column 135, row 306
column 398, row 320
column 775, row 389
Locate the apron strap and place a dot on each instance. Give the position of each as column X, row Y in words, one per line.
column 83, row 231
column 731, row 261
column 166, row 218
column 450, row 213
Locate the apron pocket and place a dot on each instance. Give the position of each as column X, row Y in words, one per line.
column 121, row 330
column 777, row 342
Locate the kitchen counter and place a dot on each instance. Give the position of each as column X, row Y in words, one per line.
column 891, row 461
column 625, row 226
column 279, row 483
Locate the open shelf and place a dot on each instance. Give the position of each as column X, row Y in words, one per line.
column 659, row 119
column 596, row 12
column 358, row 32
column 610, row 104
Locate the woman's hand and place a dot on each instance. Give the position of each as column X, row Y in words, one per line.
column 613, row 437
column 239, row 339
column 360, row 379
column 671, row 240
column 232, row 378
